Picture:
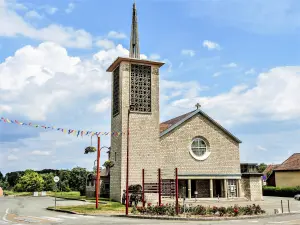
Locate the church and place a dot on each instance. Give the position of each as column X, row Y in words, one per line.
column 205, row 153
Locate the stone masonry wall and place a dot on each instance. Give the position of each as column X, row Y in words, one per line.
column 245, row 186
column 256, row 188
column 174, row 147
column 143, row 138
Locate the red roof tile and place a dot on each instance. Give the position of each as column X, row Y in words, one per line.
column 270, row 168
column 292, row 163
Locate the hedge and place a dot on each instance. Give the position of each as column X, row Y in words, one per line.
column 281, row 192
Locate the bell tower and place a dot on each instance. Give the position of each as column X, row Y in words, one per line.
column 135, row 108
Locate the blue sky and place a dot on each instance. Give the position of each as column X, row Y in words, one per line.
column 239, row 59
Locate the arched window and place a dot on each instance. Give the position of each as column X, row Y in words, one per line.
column 199, row 148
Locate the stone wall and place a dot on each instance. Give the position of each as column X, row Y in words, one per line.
column 175, row 146
column 256, row 188
column 251, row 188
column 245, row 188
column 143, row 139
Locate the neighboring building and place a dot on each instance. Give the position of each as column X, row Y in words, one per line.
column 104, row 184
column 206, row 154
column 287, row 174
column 270, row 181
column 251, row 182
column 1, row 192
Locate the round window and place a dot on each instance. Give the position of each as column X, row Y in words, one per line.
column 199, row 149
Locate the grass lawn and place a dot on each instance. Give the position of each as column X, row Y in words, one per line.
column 110, row 207
column 18, row 193
column 74, row 195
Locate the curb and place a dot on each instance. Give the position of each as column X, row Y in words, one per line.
column 83, row 214
column 207, row 218
column 178, row 218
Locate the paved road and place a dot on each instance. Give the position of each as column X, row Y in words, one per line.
column 30, row 210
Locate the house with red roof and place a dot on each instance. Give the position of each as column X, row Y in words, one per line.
column 286, row 174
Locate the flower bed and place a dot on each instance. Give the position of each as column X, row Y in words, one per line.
column 199, row 210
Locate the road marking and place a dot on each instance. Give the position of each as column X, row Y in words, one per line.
column 52, row 218
column 68, row 217
column 85, row 216
column 252, row 221
column 3, row 222
column 4, row 217
column 287, row 221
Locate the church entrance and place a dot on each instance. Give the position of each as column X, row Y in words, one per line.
column 218, row 190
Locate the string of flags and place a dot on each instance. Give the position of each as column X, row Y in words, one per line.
column 63, row 130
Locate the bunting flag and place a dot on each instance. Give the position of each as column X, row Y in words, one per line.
column 63, row 130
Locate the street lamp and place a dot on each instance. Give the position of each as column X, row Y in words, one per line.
column 98, row 171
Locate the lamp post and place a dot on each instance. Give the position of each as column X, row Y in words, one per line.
column 98, row 172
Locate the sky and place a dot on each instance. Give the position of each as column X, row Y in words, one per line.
column 239, row 59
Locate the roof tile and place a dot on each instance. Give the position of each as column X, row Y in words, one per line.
column 292, row 163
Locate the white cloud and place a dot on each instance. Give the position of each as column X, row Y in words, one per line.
column 12, row 158
column 188, row 52
column 70, row 8
column 230, row 65
column 51, row 10
column 13, row 5
column 58, row 78
column 12, row 24
column 251, row 71
column 116, row 35
column 154, row 56
column 260, row 148
column 273, row 98
column 5, row 108
column 217, row 74
column 103, row 105
column 105, row 43
column 33, row 15
column 211, row 45
column 42, row 153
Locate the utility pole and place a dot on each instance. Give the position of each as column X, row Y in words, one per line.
column 98, row 173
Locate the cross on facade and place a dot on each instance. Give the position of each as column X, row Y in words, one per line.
column 198, row 105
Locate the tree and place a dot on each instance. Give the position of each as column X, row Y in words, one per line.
column 4, row 184
column 261, row 167
column 13, row 177
column 49, row 183
column 1, row 177
column 64, row 178
column 31, row 181
column 78, row 179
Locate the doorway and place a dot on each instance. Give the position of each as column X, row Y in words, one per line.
column 217, row 188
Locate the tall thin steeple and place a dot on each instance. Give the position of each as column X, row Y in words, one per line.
column 134, row 38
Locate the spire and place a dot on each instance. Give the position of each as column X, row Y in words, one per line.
column 134, row 38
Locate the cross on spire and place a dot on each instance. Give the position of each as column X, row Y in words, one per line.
column 198, row 106
column 134, row 38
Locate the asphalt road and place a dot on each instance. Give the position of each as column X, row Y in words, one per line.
column 30, row 210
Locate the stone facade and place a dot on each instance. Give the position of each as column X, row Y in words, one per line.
column 252, row 188
column 176, row 145
column 144, row 134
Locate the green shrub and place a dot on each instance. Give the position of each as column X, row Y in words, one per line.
column 200, row 210
column 281, row 192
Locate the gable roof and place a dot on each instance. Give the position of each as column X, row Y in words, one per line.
column 270, row 168
column 292, row 163
column 168, row 126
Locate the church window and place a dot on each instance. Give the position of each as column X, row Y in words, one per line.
column 140, row 88
column 116, row 91
column 199, row 149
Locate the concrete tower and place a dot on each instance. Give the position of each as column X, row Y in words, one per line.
column 135, row 107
